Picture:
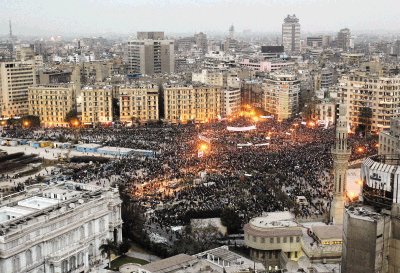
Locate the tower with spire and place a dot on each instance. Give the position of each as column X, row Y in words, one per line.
column 9, row 24
column 341, row 155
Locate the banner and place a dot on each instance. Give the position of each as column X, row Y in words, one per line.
column 241, row 129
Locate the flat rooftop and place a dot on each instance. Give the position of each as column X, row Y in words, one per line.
column 274, row 219
column 170, row 264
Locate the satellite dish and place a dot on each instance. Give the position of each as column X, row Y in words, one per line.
column 292, row 266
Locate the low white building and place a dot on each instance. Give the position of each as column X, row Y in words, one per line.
column 58, row 229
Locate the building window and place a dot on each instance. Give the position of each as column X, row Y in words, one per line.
column 271, row 240
column 28, row 257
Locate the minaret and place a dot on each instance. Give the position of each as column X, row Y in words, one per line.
column 341, row 154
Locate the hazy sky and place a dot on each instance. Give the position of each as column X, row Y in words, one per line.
column 51, row 17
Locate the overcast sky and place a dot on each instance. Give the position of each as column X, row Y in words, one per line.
column 52, row 17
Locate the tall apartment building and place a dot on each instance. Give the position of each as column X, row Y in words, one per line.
column 58, row 229
column 343, row 39
column 97, row 104
column 150, row 54
column 381, row 94
column 186, row 103
column 281, row 95
column 138, row 103
column 323, row 79
column 230, row 101
column 201, row 41
column 51, row 103
column 291, row 34
column 15, row 78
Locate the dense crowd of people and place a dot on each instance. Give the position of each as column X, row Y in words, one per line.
column 202, row 168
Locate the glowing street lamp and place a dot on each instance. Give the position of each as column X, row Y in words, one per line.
column 360, row 150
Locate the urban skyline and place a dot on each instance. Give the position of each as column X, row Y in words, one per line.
column 96, row 17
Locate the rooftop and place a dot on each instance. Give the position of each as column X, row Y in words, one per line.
column 169, row 264
column 328, row 232
column 274, row 219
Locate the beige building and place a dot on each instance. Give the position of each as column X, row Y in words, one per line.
column 389, row 140
column 213, row 78
column 185, row 103
column 150, row 54
column 326, row 111
column 281, row 95
column 51, row 103
column 230, row 101
column 138, row 103
column 272, row 238
column 15, row 78
column 380, row 94
column 97, row 104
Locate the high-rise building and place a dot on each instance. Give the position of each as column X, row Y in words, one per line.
column 343, row 39
column 186, row 103
column 138, row 103
column 150, row 54
column 97, row 104
column 341, row 155
column 201, row 41
column 15, row 78
column 281, row 95
column 291, row 34
column 371, row 100
column 51, row 103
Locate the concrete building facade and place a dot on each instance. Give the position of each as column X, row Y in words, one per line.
column 51, row 103
column 97, row 104
column 186, row 103
column 272, row 236
column 380, row 94
column 139, row 103
column 230, row 101
column 291, row 34
column 148, row 56
column 58, row 229
column 281, row 95
column 15, row 78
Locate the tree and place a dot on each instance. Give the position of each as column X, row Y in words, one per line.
column 230, row 218
column 123, row 247
column 29, row 121
column 107, row 248
column 72, row 117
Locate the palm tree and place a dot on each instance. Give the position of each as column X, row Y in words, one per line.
column 107, row 248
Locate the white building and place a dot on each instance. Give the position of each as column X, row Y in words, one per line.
column 58, row 229
column 230, row 101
